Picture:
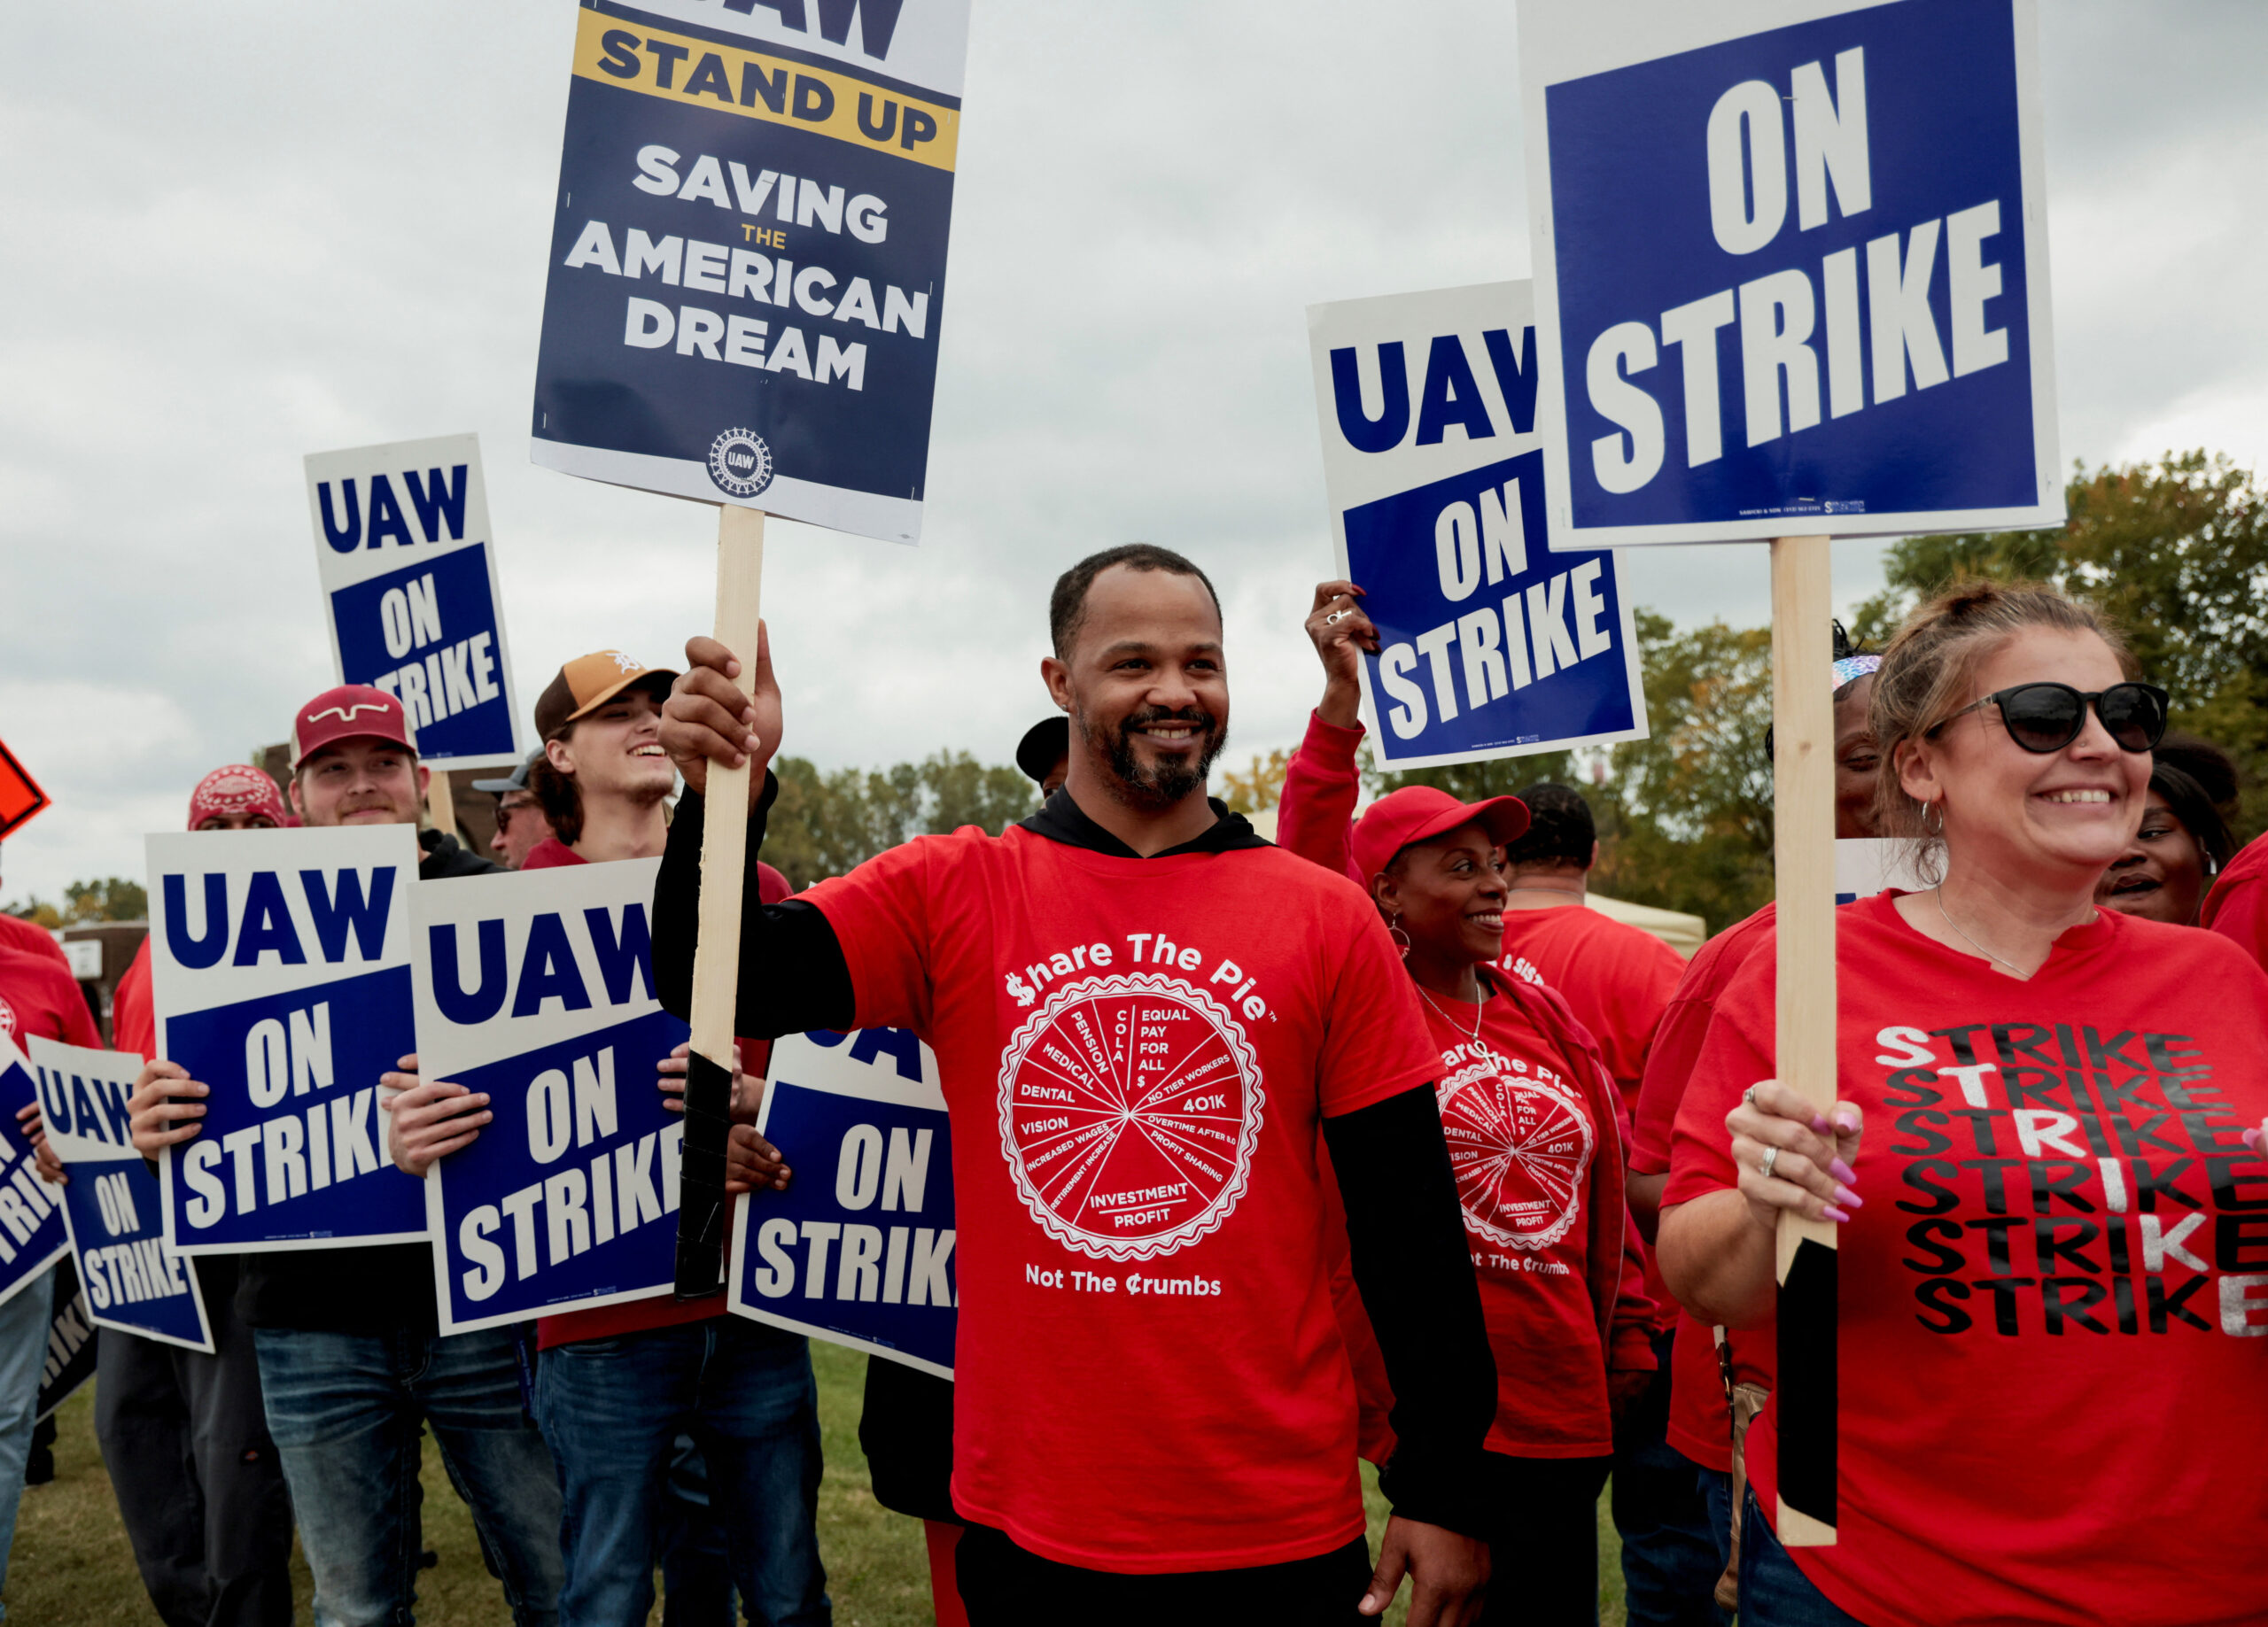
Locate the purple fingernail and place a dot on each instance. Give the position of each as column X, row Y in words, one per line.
column 1835, row 1214
column 1842, row 1171
column 1818, row 1124
column 1845, row 1195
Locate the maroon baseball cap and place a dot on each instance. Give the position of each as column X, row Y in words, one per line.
column 348, row 712
column 1419, row 813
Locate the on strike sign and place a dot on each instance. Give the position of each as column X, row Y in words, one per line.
column 1790, row 268
column 748, row 260
column 1488, row 647
column 409, row 573
column 279, row 974
column 858, row 1251
column 538, row 991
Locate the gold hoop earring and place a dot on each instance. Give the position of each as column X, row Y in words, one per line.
column 1394, row 931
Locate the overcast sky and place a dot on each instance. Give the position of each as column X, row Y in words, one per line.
column 231, row 236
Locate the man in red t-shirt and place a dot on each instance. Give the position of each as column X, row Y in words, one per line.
column 620, row 1387
column 1142, row 1012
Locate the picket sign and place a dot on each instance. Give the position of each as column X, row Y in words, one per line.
column 1834, row 215
column 1865, row 865
column 408, row 570
column 743, row 308
column 111, row 1204
column 1434, row 475
column 279, row 975
column 538, row 991
column 32, row 1232
column 859, row 1249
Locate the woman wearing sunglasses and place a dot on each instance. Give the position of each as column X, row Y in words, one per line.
column 2053, row 1257
column 2183, row 841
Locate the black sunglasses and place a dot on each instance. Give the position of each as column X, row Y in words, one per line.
column 2044, row 718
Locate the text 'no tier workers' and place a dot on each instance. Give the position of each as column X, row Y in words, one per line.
column 766, row 89
column 1770, row 146
column 439, row 677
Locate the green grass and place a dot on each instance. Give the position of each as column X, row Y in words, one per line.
column 71, row 1567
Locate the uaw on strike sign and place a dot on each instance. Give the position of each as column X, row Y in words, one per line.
column 112, row 1206
column 858, row 1251
column 1790, row 268
column 408, row 570
column 536, row 989
column 1490, row 645
column 748, row 259
column 279, row 974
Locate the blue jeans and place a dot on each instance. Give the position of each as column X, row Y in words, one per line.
column 344, row 1410
column 1717, row 1488
column 24, row 1322
column 1670, row 1560
column 1773, row 1591
column 613, row 1409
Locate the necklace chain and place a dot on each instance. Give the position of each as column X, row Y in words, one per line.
column 1446, row 1015
column 1939, row 894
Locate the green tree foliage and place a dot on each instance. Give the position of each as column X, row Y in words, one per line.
column 2176, row 550
column 829, row 823
column 113, row 898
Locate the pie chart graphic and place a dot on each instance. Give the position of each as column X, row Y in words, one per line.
column 1520, row 1145
column 1130, row 1107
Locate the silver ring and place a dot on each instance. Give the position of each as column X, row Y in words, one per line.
column 1771, row 1156
column 1749, row 1095
column 1336, row 617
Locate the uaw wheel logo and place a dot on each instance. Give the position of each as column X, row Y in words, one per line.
column 1520, row 1146
column 1130, row 1107
column 739, row 462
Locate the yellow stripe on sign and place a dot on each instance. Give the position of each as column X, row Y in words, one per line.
column 678, row 68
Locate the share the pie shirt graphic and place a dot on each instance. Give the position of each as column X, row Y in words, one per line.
column 1137, row 1055
column 1130, row 1107
column 1520, row 1143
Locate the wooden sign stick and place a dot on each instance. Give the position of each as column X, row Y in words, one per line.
column 716, row 961
column 441, row 804
column 1803, row 780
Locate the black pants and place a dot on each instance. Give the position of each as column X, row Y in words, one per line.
column 1543, row 1553
column 200, row 1487
column 1005, row 1585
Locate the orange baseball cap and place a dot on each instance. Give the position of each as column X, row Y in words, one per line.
column 589, row 682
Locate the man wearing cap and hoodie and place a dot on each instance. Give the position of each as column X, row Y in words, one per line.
column 351, row 1359
column 520, row 823
column 619, row 1386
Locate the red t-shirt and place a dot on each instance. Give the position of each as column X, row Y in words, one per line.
column 30, row 938
column 133, row 1020
column 1136, row 1053
column 39, row 997
column 2053, row 1304
column 2237, row 908
column 610, row 1321
column 1617, row 978
column 1700, row 1423
column 1524, row 1140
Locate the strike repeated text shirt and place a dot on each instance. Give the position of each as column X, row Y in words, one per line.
column 2055, row 1303
column 1524, row 1142
column 1136, row 1053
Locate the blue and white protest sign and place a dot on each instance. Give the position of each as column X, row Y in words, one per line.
column 33, row 1233
column 1490, row 644
column 133, row 1282
column 538, row 991
column 409, row 569
column 279, row 975
column 1790, row 268
column 858, row 1251
column 748, row 256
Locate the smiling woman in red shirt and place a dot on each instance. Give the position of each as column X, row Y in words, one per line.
column 1535, row 1132
column 2053, row 1303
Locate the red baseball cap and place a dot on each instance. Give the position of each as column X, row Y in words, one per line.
column 349, row 712
column 1419, row 813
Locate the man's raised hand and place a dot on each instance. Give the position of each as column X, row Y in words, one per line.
column 709, row 718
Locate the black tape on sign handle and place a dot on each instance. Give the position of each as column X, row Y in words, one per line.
column 1805, row 1388
column 700, row 1179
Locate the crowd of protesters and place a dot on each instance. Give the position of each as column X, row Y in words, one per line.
column 1497, row 1208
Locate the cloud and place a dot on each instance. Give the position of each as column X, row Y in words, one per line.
column 239, row 235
